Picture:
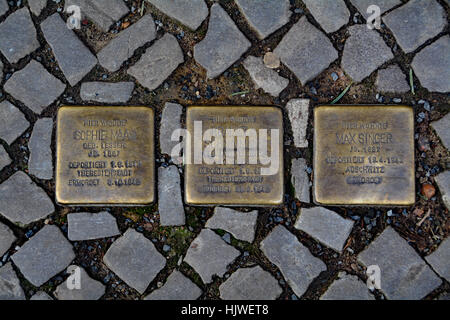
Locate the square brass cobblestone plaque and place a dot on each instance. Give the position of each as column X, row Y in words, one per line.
column 364, row 155
column 105, row 156
column 251, row 180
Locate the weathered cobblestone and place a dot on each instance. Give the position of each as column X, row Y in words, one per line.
column 4, row 158
column 40, row 164
column 73, row 57
column 443, row 182
column 384, row 5
column 325, row 225
column 405, row 274
column 22, row 201
column 347, row 287
column 439, row 259
column 209, row 255
column 134, row 259
column 298, row 266
column 90, row 289
column 18, row 35
column 7, row 237
column 191, row 13
column 171, row 210
column 158, row 62
column 177, row 287
column 89, row 226
column 431, row 65
column 242, row 225
column 250, row 284
column 12, row 122
column 45, row 255
column 298, row 112
column 331, row 15
column 416, row 22
column 170, row 121
column 123, row 46
column 10, row 288
column 36, row 6
column 3, row 7
column 265, row 17
column 306, row 51
column 441, row 127
column 214, row 52
column 392, row 80
column 106, row 92
column 300, row 180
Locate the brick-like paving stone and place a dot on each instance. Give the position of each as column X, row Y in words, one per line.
column 209, row 255
column 106, row 92
column 123, row 46
column 170, row 121
column 416, row 22
column 364, row 52
column 90, row 289
column 431, row 65
column 300, row 180
column 441, row 127
column 214, row 52
column 191, row 13
column 4, row 7
column 405, row 276
column 36, row 6
column 265, row 17
column 347, row 287
column 73, row 57
column 392, row 80
column 10, row 288
column 22, row 201
column 250, row 284
column 325, row 225
column 158, row 62
column 4, row 158
column 298, row 112
column 12, row 122
column 177, row 287
column 134, row 259
column 170, row 203
column 45, row 255
column 102, row 12
column 40, row 164
column 242, row 225
column 18, row 35
column 264, row 77
column 89, row 226
column 7, row 237
column 306, row 51
column 298, row 266
column 34, row 86
column 384, row 5
column 439, row 259
column 41, row 296
column 443, row 182
column 331, row 15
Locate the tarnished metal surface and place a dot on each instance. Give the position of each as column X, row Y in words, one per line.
column 235, row 184
column 105, row 156
column 364, row 155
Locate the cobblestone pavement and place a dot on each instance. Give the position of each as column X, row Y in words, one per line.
column 171, row 54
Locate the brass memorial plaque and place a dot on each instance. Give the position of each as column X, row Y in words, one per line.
column 364, row 155
column 246, row 168
column 105, row 156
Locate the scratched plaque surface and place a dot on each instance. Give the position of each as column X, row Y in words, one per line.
column 246, row 182
column 105, row 156
column 364, row 155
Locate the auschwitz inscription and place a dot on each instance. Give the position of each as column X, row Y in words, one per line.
column 234, row 156
column 105, row 156
column 364, row 155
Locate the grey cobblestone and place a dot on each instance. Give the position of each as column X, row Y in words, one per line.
column 12, row 122
column 40, row 164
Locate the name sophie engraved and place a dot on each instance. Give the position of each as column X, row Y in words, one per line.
column 105, row 156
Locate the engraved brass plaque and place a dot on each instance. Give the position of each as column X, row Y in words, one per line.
column 105, row 156
column 249, row 170
column 364, row 155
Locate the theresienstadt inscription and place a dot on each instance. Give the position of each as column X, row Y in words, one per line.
column 234, row 155
column 105, row 156
column 364, row 155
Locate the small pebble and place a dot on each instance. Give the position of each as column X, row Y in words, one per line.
column 428, row 191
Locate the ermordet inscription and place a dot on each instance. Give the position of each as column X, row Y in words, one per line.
column 234, row 156
column 364, row 155
column 105, row 155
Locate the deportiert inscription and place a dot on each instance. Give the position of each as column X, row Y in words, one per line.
column 364, row 155
column 105, row 156
column 245, row 173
